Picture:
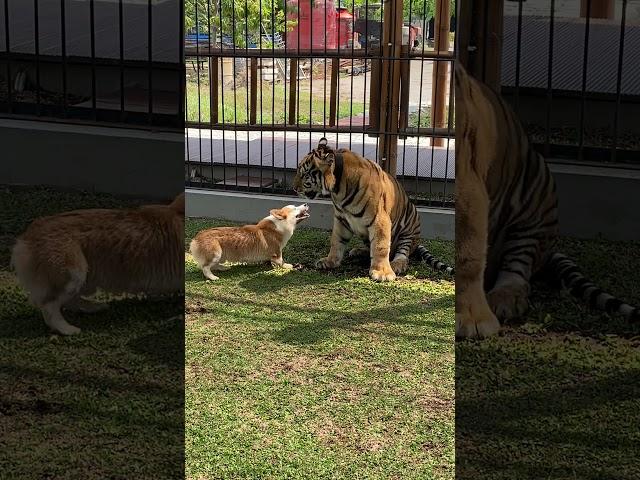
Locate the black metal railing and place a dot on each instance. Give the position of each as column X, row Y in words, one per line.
column 97, row 62
column 581, row 59
column 266, row 80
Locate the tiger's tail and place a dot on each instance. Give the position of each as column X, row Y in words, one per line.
column 432, row 261
column 567, row 272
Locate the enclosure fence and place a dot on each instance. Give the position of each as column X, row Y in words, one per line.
column 580, row 59
column 267, row 79
column 114, row 62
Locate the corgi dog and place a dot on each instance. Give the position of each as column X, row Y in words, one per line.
column 249, row 244
column 62, row 258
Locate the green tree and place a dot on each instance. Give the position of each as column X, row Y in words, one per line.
column 245, row 20
column 411, row 9
column 241, row 20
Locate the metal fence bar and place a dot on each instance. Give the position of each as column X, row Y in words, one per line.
column 54, row 77
column 587, row 138
column 92, row 34
column 583, row 90
column 150, row 57
column 547, row 136
column 63, row 46
column 36, row 28
column 121, row 53
column 294, row 73
column 7, row 42
column 616, row 119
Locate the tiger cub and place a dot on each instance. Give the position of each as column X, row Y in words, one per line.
column 369, row 203
column 506, row 217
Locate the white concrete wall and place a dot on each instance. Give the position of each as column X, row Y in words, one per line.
column 249, row 208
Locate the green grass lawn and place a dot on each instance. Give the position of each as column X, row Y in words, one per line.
column 308, row 374
column 107, row 403
column 272, row 105
column 557, row 395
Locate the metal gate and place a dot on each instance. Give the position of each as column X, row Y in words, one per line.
column 267, row 79
column 570, row 69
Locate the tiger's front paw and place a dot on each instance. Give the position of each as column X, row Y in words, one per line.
column 476, row 323
column 509, row 301
column 327, row 263
column 382, row 274
column 359, row 252
column 399, row 265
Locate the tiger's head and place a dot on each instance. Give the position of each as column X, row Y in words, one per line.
column 310, row 179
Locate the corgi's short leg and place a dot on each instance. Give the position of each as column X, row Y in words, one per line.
column 219, row 267
column 277, row 260
column 213, row 263
column 55, row 321
column 79, row 304
column 206, row 270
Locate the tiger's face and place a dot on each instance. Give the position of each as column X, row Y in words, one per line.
column 308, row 181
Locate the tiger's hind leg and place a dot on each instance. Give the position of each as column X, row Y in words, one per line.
column 340, row 237
column 509, row 296
column 361, row 255
column 404, row 247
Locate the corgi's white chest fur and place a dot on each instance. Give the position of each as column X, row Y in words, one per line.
column 283, row 228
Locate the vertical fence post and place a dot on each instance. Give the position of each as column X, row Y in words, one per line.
column 253, row 99
column 440, row 69
column 403, row 122
column 333, row 94
column 293, row 80
column 374, row 95
column 390, row 85
column 598, row 9
column 213, row 88
column 483, row 47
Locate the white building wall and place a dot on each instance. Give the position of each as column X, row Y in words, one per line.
column 568, row 8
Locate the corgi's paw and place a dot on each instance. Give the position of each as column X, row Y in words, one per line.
column 85, row 306
column 67, row 330
column 287, row 266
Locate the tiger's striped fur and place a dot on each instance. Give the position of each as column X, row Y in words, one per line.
column 368, row 203
column 506, row 217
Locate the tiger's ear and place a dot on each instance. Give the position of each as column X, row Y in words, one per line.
column 277, row 214
column 327, row 158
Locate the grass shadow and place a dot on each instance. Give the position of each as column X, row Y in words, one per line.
column 305, row 325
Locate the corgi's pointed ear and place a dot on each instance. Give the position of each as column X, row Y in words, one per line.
column 277, row 214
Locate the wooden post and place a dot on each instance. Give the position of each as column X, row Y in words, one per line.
column 440, row 69
column 374, row 95
column 493, row 46
column 333, row 94
column 599, row 9
column 391, row 47
column 293, row 82
column 481, row 49
column 213, row 89
column 253, row 100
column 404, row 89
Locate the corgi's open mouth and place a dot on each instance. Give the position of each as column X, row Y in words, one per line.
column 302, row 214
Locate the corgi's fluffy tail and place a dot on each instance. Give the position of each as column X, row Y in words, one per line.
column 178, row 204
column 196, row 253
